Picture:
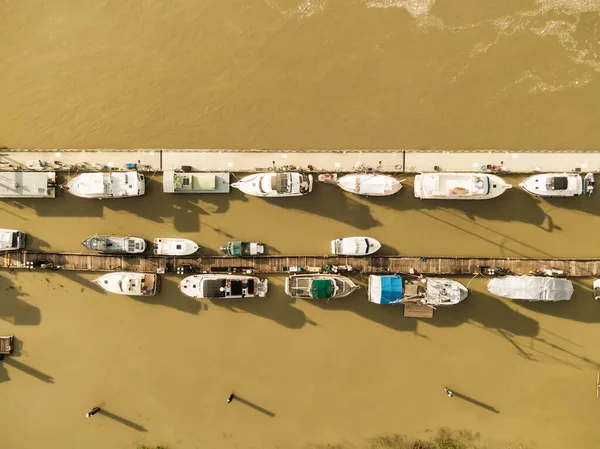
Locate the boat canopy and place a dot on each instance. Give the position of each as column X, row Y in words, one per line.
column 321, row 289
column 386, row 289
column 558, row 183
column 532, row 288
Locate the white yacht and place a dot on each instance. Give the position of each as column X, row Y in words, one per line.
column 101, row 185
column 532, row 288
column 276, row 184
column 174, row 247
column 318, row 286
column 354, row 246
column 131, row 284
column 394, row 289
column 115, row 244
column 365, row 184
column 459, row 186
column 554, row 184
column 223, row 286
column 12, row 240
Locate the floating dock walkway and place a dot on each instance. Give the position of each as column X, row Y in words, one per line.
column 449, row 266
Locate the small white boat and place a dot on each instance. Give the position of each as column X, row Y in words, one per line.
column 318, row 286
column 365, row 184
column 12, row 240
column 101, row 185
column 589, row 184
column 354, row 246
column 115, row 244
column 596, row 289
column 394, row 289
column 131, row 284
column 459, row 186
column 554, row 185
column 174, row 247
column 532, row 288
column 223, row 286
column 275, row 184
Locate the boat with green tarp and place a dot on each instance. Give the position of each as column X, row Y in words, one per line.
column 241, row 249
column 318, row 286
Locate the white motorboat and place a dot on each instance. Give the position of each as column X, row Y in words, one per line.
column 115, row 244
column 354, row 246
column 532, row 288
column 174, row 247
column 365, row 184
column 394, row 289
column 596, row 289
column 131, row 284
column 318, row 286
column 459, row 186
column 12, row 240
column 223, row 286
column 554, row 184
column 101, row 185
column 275, row 184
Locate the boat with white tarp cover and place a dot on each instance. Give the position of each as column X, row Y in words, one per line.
column 532, row 288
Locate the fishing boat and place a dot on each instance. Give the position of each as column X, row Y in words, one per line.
column 395, row 289
column 364, row 183
column 12, row 240
column 102, row 185
column 589, row 184
column 554, row 184
column 174, row 247
column 273, row 185
column 596, row 289
column 354, row 246
column 242, row 249
column 223, row 286
column 531, row 288
column 318, row 286
column 115, row 244
column 131, row 284
column 459, row 186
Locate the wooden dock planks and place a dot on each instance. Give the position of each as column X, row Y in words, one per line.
column 449, row 266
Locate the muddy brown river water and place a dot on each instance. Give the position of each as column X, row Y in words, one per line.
column 299, row 74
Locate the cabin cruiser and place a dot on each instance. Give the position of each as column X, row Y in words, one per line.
column 241, row 249
column 554, row 185
column 101, row 185
column 276, row 184
column 459, row 186
column 596, row 289
column 318, row 286
column 365, row 184
column 131, row 284
column 115, row 244
column 394, row 289
column 12, row 240
column 223, row 286
column 532, row 288
column 354, row 246
column 174, row 247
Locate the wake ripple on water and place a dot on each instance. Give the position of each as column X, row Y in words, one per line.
column 303, row 10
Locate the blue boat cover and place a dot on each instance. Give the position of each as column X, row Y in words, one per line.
column 391, row 289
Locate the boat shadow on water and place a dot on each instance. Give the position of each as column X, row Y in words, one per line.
column 170, row 296
column 15, row 309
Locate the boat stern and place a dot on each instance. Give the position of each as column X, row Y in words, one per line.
column 417, row 189
column 262, row 286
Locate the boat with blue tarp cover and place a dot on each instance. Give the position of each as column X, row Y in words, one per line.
column 318, row 286
column 395, row 289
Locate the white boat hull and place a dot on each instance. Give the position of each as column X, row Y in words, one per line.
column 459, row 186
column 174, row 247
column 130, row 284
column 105, row 185
column 276, row 185
column 302, row 286
column 223, row 286
column 557, row 185
column 354, row 246
column 370, row 184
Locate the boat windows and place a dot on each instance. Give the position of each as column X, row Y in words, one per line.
column 557, row 183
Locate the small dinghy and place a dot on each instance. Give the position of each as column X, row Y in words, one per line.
column 174, row 247
column 354, row 246
column 115, row 244
column 131, row 284
column 243, row 249
column 318, row 286
column 223, row 286
column 532, row 288
column 273, row 185
column 589, row 184
column 554, row 185
column 394, row 289
column 365, row 184
column 596, row 289
column 459, row 186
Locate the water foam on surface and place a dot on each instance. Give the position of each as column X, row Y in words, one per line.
column 303, row 10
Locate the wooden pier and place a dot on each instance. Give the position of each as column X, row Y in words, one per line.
column 451, row 266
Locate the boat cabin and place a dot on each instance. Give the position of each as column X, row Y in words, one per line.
column 228, row 288
column 186, row 182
